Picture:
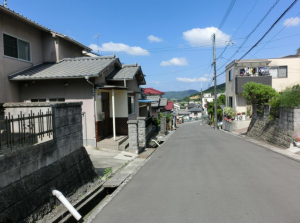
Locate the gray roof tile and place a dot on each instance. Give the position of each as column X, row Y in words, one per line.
column 67, row 68
column 126, row 72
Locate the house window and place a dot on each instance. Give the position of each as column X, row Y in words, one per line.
column 16, row 48
column 230, row 75
column 131, row 105
column 278, row 72
column 48, row 100
column 195, row 113
column 230, row 102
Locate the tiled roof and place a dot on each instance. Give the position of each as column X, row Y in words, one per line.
column 195, row 110
column 126, row 72
column 152, row 91
column 33, row 23
column 67, row 68
column 169, row 106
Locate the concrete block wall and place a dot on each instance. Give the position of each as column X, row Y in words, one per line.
column 142, row 132
column 163, row 125
column 28, row 175
column 133, row 136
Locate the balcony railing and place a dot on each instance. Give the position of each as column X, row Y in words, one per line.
column 25, row 129
column 240, row 81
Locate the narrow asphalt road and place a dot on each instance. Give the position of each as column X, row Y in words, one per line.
column 203, row 175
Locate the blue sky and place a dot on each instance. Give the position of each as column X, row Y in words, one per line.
column 169, row 39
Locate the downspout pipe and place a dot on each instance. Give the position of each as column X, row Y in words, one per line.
column 67, row 204
column 93, row 90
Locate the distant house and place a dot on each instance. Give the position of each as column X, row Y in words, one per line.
column 207, row 97
column 169, row 107
column 195, row 112
column 176, row 107
column 193, row 105
column 160, row 102
column 276, row 72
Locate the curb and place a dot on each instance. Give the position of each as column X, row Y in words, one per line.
column 98, row 209
column 266, row 146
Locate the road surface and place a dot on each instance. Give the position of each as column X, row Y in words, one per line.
column 203, row 175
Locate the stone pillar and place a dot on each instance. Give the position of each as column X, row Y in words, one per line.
column 133, row 136
column 67, row 127
column 163, row 125
column 142, row 132
column 254, row 110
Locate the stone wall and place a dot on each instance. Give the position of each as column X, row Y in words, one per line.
column 280, row 131
column 28, row 175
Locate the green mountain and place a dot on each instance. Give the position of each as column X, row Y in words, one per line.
column 220, row 89
column 179, row 94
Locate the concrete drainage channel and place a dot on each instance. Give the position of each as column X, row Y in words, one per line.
column 100, row 196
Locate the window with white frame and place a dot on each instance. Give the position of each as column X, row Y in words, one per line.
column 230, row 75
column 14, row 47
column 278, row 72
column 131, row 105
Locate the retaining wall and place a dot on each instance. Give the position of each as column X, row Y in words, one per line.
column 280, row 131
column 28, row 175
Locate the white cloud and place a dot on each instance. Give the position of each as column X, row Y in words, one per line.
column 152, row 39
column 175, row 62
column 292, row 22
column 120, row 48
column 201, row 37
column 153, row 82
column 192, row 80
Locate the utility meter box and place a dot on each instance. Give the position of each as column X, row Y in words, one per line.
column 101, row 116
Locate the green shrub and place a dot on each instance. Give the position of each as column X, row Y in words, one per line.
column 290, row 97
column 228, row 112
column 258, row 93
column 275, row 107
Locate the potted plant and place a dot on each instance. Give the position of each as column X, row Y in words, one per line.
column 297, row 140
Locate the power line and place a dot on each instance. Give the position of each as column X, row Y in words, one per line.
column 269, row 29
column 226, row 14
column 276, row 35
column 264, row 34
column 247, row 37
column 230, row 41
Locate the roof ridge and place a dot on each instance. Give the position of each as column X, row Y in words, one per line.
column 131, row 65
column 90, row 58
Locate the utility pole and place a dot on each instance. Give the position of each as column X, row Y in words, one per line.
column 215, row 79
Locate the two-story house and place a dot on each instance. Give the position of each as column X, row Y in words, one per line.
column 40, row 65
column 279, row 73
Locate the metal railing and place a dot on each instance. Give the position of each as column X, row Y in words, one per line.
column 26, row 129
column 148, row 121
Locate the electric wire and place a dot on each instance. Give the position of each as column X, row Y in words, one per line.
column 247, row 37
column 230, row 41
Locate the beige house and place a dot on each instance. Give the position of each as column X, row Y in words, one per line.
column 40, row 65
column 279, row 73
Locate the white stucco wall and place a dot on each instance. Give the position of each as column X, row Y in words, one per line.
column 293, row 76
column 77, row 90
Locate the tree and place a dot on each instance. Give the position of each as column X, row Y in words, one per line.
column 298, row 51
column 258, row 93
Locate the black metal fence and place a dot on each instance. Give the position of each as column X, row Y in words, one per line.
column 148, row 121
column 21, row 129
